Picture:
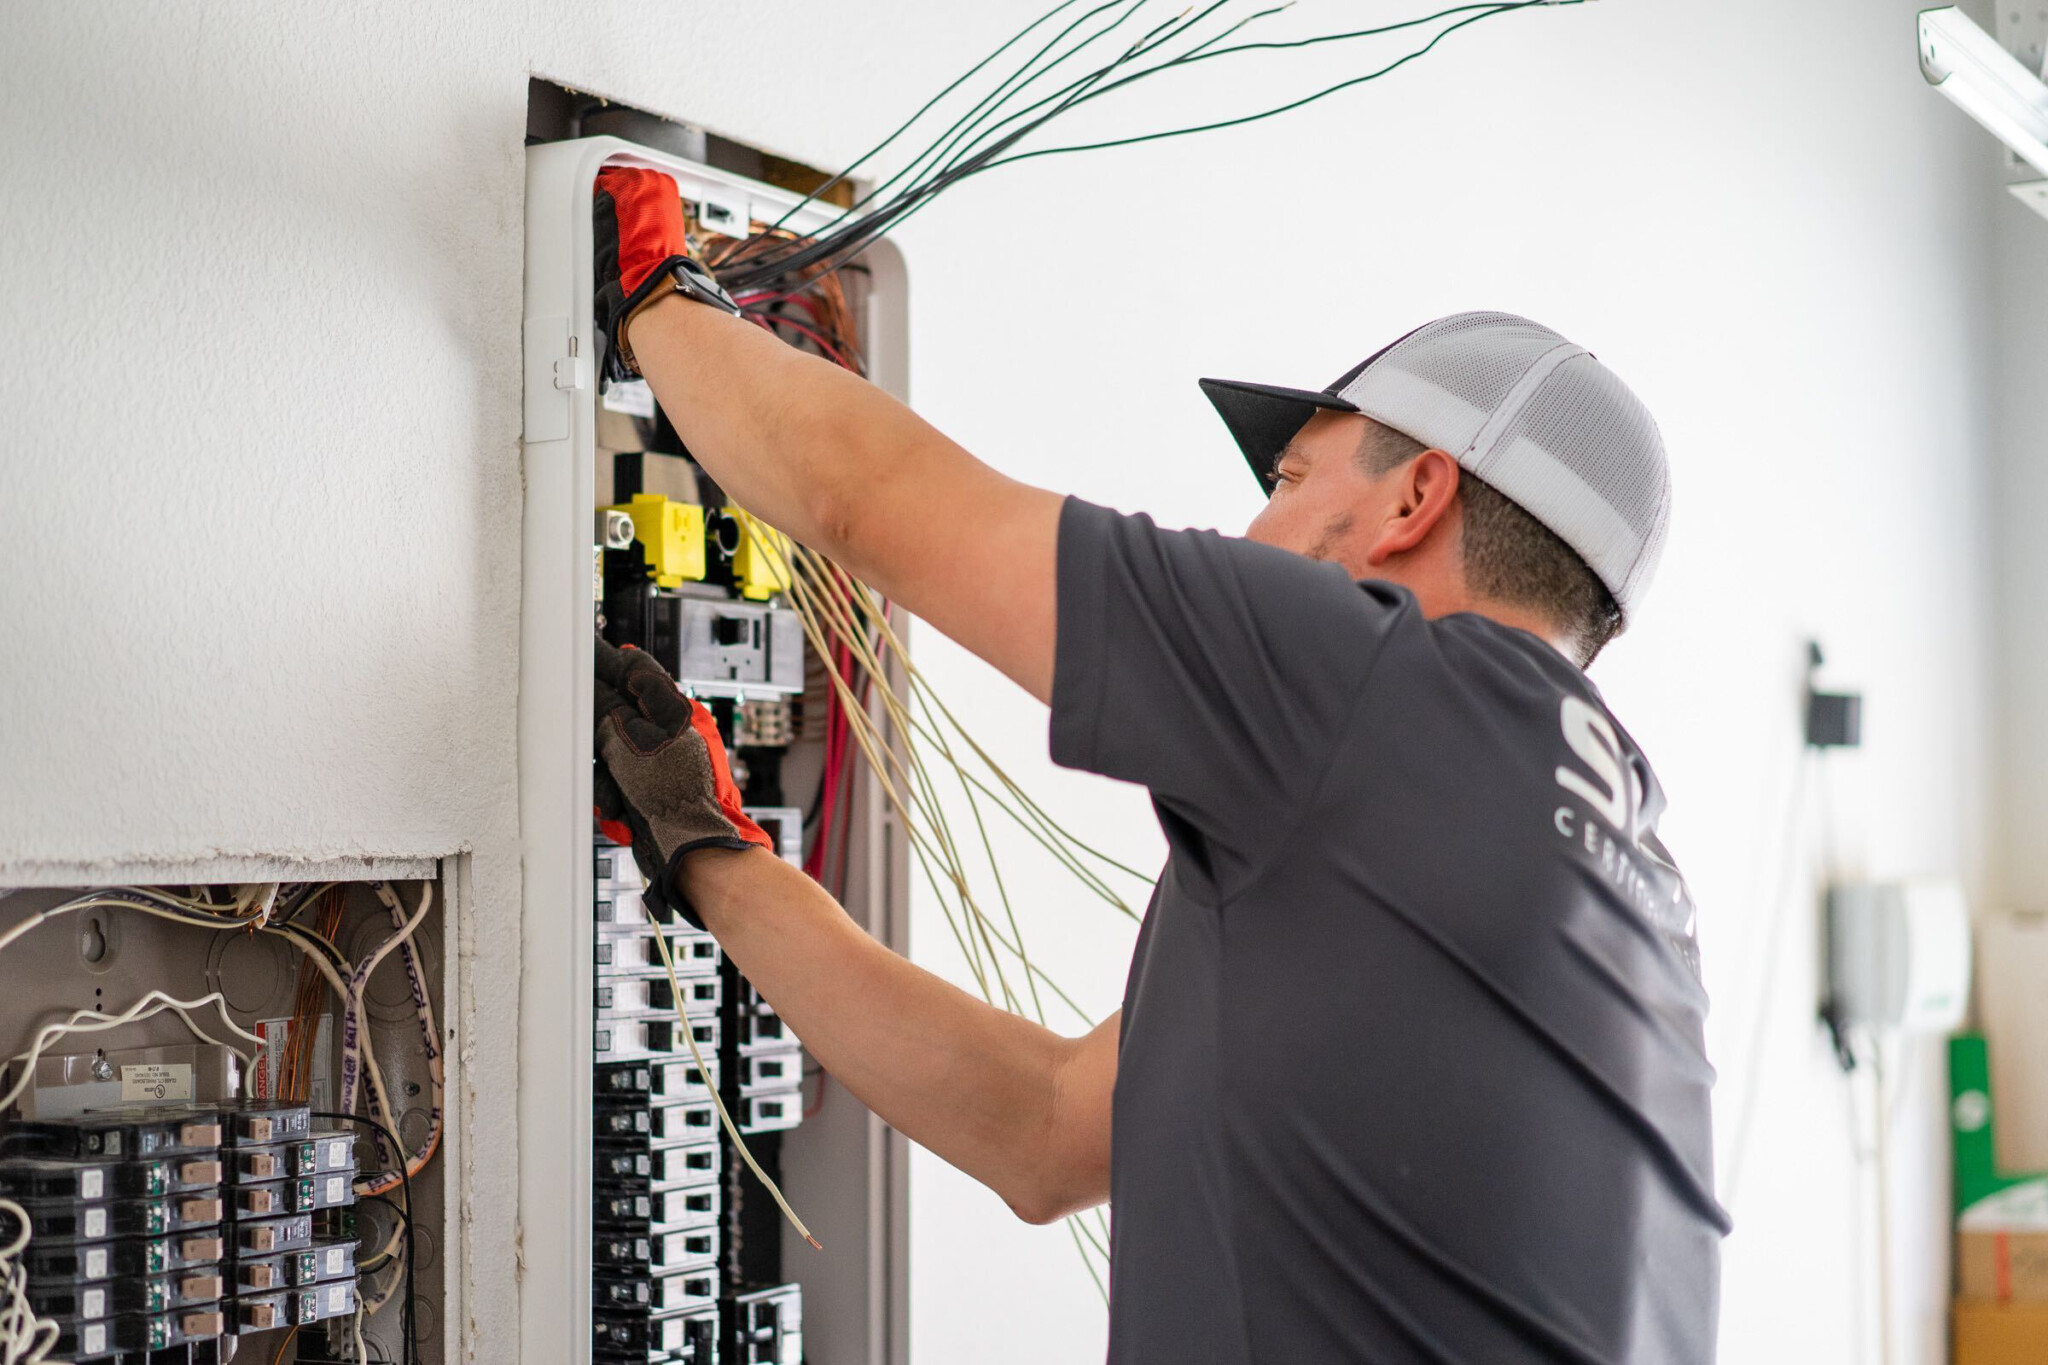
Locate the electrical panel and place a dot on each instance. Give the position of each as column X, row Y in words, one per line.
column 220, row 1109
column 633, row 1193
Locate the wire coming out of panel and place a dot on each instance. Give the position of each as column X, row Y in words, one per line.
column 926, row 766
column 1101, row 51
column 911, row 749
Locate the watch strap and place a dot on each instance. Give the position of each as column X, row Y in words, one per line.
column 679, row 275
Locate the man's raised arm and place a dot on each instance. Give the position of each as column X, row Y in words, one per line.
column 832, row 461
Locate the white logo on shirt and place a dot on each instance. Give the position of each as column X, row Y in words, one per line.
column 1610, row 790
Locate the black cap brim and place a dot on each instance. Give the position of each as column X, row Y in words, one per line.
column 1263, row 418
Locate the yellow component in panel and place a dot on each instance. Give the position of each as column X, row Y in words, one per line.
column 760, row 567
column 671, row 536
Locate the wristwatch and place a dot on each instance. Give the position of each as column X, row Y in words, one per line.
column 686, row 277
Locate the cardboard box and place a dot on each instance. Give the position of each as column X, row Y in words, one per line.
column 2012, row 962
column 2001, row 1333
column 2002, row 1265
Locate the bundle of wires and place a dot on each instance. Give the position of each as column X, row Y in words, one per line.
column 1096, row 53
column 295, row 1065
column 25, row 1339
column 363, row 1079
column 907, row 739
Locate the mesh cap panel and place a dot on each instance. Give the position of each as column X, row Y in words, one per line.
column 1545, row 423
column 1479, row 357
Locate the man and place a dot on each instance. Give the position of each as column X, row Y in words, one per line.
column 1410, row 1064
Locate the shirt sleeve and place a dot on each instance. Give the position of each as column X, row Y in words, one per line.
column 1218, row 672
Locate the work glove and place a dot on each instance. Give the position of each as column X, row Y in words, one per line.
column 638, row 236
column 662, row 777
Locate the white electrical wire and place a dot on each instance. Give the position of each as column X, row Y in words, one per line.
column 732, row 1130
column 95, row 1021
column 423, row 1013
column 335, row 982
column 252, row 905
column 352, row 1031
column 25, row 1339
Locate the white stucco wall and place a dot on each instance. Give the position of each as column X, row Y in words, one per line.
column 260, row 293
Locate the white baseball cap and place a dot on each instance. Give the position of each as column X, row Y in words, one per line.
column 1538, row 418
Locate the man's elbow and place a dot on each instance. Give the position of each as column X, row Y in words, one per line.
column 1035, row 1209
column 1055, row 1194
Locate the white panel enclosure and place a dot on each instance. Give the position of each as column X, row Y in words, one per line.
column 845, row 1171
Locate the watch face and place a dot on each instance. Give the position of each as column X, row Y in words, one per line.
column 695, row 282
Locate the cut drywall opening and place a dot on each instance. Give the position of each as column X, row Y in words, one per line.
column 557, row 113
column 104, row 948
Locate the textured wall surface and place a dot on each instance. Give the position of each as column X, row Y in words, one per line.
column 260, row 290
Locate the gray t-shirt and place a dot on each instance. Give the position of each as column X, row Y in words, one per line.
column 1412, row 1066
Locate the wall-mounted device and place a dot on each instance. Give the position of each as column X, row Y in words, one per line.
column 1898, row 956
column 1834, row 720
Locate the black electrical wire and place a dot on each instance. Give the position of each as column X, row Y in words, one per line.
column 1277, row 110
column 970, row 145
column 409, row 1324
column 730, row 273
column 860, row 230
column 1206, row 50
column 923, row 109
column 397, row 1212
column 853, row 221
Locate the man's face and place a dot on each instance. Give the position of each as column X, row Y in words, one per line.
column 1324, row 497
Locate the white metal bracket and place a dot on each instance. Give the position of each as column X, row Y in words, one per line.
column 2032, row 193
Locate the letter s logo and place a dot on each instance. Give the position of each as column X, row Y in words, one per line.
column 1593, row 740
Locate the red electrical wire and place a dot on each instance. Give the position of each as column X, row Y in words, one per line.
column 836, row 737
column 773, row 320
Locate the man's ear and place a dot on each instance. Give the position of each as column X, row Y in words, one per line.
column 1427, row 490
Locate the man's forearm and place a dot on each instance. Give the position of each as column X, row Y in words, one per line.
column 798, row 441
column 830, row 459
column 990, row 1092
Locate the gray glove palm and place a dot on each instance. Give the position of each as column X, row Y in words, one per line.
column 662, row 772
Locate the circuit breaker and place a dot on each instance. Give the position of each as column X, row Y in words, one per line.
column 666, row 1246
